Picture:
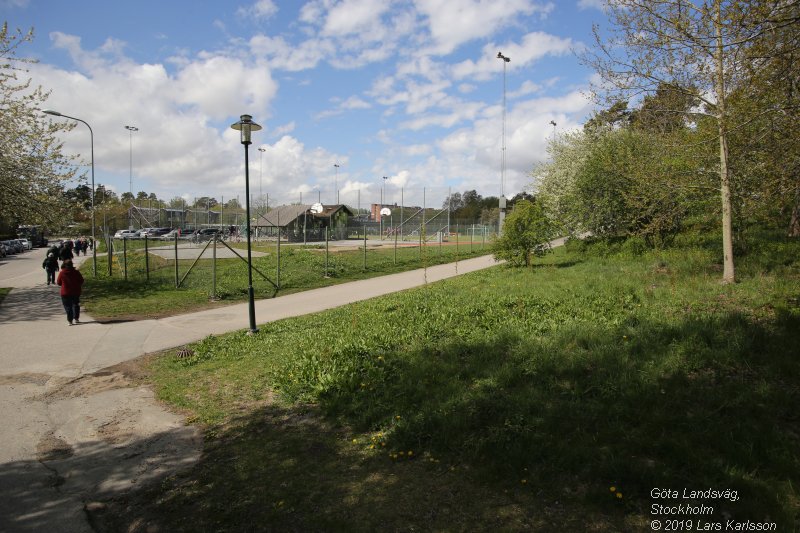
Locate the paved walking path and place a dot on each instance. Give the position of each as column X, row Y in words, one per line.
column 75, row 429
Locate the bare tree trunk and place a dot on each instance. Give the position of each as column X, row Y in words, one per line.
column 794, row 224
column 728, row 272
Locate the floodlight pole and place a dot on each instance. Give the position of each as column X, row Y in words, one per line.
column 261, row 151
column 502, row 202
column 91, row 137
column 336, row 183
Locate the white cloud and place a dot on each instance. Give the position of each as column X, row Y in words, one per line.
column 533, row 47
column 222, row 87
column 354, row 16
column 262, row 9
column 476, row 19
column 282, row 55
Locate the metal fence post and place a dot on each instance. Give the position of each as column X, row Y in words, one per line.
column 146, row 259
column 214, row 270
column 125, row 259
column 177, row 282
column 365, row 246
column 326, row 252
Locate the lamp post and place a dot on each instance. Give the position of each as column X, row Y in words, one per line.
column 553, row 123
column 246, row 126
column 91, row 137
column 383, row 199
column 131, row 129
column 336, row 183
column 503, row 149
column 260, row 174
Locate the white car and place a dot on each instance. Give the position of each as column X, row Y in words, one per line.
column 126, row 234
column 26, row 244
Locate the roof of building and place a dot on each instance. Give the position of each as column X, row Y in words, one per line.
column 286, row 214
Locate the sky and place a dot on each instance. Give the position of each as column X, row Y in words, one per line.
column 406, row 97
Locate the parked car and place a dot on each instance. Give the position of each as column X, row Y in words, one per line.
column 26, row 244
column 206, row 234
column 126, row 234
column 3, row 252
column 158, row 232
column 11, row 249
column 18, row 245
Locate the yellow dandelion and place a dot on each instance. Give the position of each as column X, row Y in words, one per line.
column 410, row 453
column 523, row 481
column 613, row 489
column 383, row 444
column 619, row 495
column 355, row 441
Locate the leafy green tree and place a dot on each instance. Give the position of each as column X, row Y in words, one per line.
column 527, row 232
column 33, row 169
column 700, row 48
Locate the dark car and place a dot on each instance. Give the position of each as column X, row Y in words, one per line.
column 207, row 233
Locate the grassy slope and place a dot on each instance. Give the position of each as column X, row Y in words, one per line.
column 522, row 395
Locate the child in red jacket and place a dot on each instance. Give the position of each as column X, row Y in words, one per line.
column 70, row 280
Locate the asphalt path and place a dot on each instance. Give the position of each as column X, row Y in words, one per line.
column 76, row 430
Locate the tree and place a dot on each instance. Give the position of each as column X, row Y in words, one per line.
column 233, row 203
column 204, row 202
column 126, row 197
column 698, row 48
column 32, row 166
column 527, row 232
column 141, row 195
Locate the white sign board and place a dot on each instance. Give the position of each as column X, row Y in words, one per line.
column 385, row 212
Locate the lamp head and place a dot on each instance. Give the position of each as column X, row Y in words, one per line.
column 51, row 112
column 246, row 126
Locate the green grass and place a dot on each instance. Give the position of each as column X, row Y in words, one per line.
column 301, row 269
column 3, row 293
column 524, row 396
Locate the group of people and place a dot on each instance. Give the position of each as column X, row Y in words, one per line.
column 69, row 278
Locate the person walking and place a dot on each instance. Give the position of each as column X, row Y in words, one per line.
column 65, row 252
column 50, row 265
column 71, row 281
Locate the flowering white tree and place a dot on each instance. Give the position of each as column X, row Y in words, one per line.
column 32, row 168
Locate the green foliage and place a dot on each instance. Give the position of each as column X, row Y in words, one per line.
column 527, row 231
column 32, row 167
column 569, row 381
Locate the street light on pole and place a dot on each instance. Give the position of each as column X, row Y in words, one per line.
column 261, row 151
column 246, row 126
column 503, row 149
column 91, row 137
column 131, row 129
column 336, row 183
column 383, row 200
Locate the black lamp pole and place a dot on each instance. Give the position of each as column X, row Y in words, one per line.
column 246, row 126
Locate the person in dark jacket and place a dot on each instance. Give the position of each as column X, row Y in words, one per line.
column 50, row 264
column 65, row 252
column 71, row 281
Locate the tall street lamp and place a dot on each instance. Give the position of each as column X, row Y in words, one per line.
column 260, row 174
column 131, row 129
column 91, row 137
column 503, row 149
column 383, row 200
column 246, row 126
column 336, row 183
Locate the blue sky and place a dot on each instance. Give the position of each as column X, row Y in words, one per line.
column 410, row 90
